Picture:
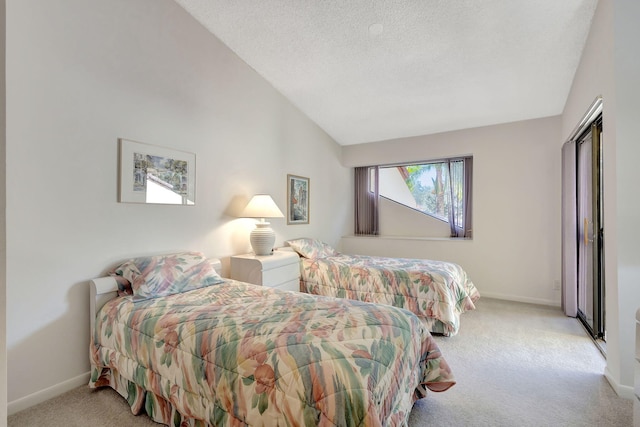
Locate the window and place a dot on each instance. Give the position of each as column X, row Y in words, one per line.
column 441, row 189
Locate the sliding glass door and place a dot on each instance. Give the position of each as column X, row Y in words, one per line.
column 590, row 232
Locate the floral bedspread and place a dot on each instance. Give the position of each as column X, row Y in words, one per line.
column 437, row 291
column 238, row 354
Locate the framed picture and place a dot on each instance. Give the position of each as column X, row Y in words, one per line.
column 152, row 174
column 297, row 200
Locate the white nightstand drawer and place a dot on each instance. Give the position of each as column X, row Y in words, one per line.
column 280, row 270
column 284, row 273
column 636, row 388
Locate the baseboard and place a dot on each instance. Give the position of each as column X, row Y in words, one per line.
column 516, row 298
column 623, row 391
column 46, row 394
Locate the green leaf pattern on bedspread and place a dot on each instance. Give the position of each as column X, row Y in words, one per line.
column 238, row 354
column 437, row 291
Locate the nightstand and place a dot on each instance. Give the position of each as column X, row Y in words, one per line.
column 280, row 270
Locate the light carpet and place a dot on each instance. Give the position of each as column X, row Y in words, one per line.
column 516, row 365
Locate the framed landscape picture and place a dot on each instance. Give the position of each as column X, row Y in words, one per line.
column 297, row 200
column 157, row 175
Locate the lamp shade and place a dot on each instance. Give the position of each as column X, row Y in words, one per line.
column 262, row 237
column 262, row 206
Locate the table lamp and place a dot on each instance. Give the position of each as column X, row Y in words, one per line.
column 262, row 237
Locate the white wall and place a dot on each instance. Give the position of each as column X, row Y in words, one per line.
column 608, row 68
column 80, row 75
column 627, row 70
column 515, row 251
column 3, row 239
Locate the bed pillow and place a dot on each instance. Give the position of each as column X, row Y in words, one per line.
column 124, row 286
column 162, row 275
column 312, row 248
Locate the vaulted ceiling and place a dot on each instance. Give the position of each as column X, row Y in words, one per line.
column 371, row 70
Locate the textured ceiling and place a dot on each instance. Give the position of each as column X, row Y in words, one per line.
column 371, row 70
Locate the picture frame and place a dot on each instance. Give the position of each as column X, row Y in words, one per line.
column 297, row 199
column 155, row 175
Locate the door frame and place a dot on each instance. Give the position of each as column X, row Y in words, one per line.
column 590, row 231
column 570, row 229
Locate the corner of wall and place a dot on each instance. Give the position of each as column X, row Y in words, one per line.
column 3, row 203
column 3, row 222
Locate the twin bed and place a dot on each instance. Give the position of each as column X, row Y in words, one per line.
column 193, row 349
column 437, row 292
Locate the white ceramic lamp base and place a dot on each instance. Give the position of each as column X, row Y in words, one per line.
column 262, row 239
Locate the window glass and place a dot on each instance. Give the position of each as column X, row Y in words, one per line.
column 429, row 187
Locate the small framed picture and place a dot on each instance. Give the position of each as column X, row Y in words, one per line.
column 297, row 200
column 153, row 174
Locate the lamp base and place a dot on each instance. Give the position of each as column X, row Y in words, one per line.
column 262, row 239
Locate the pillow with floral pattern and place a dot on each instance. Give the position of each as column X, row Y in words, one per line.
column 124, row 286
column 162, row 275
column 312, row 248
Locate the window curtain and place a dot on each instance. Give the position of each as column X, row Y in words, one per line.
column 569, row 231
column 366, row 200
column 460, row 179
column 468, row 208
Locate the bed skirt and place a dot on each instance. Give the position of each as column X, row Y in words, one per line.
column 142, row 401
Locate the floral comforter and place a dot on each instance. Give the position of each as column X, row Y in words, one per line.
column 237, row 354
column 437, row 291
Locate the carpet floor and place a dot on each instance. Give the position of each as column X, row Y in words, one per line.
column 515, row 364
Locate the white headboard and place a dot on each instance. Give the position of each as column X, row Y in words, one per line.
column 104, row 289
